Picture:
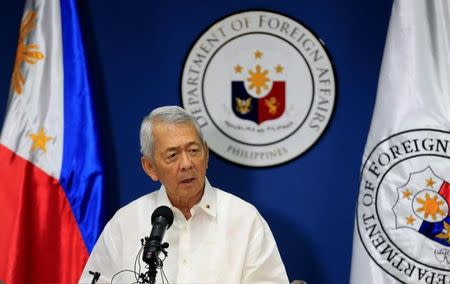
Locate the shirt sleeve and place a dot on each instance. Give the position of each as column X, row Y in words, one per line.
column 263, row 261
column 105, row 256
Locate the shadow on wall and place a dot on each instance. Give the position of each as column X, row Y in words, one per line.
column 97, row 80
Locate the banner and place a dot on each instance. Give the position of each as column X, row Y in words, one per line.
column 51, row 176
column 402, row 220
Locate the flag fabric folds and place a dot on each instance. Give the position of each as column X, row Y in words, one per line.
column 51, row 176
column 402, row 228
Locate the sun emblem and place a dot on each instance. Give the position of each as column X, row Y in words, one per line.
column 258, row 79
column 431, row 206
column 28, row 53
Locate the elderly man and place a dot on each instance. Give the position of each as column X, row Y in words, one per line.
column 215, row 237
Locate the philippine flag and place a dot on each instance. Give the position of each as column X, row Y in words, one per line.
column 51, row 176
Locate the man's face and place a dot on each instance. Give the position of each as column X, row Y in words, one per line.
column 179, row 161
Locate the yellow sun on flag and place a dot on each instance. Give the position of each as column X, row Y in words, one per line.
column 431, row 206
column 40, row 140
column 25, row 53
column 258, row 79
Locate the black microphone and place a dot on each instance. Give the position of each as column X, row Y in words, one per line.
column 162, row 219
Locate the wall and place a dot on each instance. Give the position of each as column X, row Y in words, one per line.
column 136, row 50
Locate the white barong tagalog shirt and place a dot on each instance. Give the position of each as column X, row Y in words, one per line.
column 225, row 241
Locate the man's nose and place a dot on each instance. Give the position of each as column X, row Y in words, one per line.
column 186, row 162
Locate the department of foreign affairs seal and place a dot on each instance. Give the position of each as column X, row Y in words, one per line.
column 403, row 206
column 261, row 86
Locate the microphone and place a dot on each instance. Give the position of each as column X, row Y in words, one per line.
column 162, row 219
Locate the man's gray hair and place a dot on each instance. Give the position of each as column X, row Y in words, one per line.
column 167, row 114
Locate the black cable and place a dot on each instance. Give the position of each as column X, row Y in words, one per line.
column 125, row 270
column 138, row 262
column 161, row 270
column 142, row 277
column 164, row 274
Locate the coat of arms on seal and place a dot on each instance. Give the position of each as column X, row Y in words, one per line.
column 423, row 206
column 256, row 95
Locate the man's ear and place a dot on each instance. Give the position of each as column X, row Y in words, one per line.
column 149, row 169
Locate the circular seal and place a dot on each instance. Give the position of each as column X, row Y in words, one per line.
column 261, row 86
column 403, row 206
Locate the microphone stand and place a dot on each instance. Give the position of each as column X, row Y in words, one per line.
column 153, row 262
column 95, row 276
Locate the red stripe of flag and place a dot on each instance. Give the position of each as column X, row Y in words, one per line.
column 445, row 192
column 39, row 241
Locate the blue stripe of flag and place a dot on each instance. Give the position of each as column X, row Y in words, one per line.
column 82, row 170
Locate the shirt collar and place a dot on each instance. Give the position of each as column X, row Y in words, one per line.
column 207, row 203
column 209, row 199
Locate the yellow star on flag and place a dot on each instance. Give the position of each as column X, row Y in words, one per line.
column 406, row 194
column 279, row 68
column 430, row 182
column 40, row 140
column 258, row 54
column 410, row 220
column 238, row 68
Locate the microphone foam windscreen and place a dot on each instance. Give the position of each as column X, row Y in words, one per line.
column 165, row 212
